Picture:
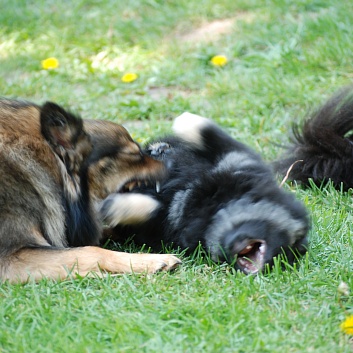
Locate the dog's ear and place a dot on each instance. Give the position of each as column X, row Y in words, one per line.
column 65, row 134
column 59, row 127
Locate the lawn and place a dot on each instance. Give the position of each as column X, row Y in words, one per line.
column 284, row 58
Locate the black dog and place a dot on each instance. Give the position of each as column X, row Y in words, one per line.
column 322, row 149
column 218, row 193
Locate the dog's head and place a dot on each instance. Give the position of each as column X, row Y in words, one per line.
column 117, row 163
column 251, row 233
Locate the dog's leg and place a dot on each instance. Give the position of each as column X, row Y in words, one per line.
column 38, row 263
column 205, row 136
column 127, row 209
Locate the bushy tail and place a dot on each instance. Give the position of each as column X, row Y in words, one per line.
column 322, row 148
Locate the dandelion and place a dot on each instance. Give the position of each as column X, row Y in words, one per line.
column 129, row 77
column 50, row 64
column 140, row 140
column 219, row 60
column 347, row 325
column 343, row 289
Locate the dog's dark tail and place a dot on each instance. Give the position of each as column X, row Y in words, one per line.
column 322, row 148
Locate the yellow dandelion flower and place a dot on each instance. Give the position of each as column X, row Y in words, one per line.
column 50, row 64
column 219, row 60
column 129, row 77
column 347, row 325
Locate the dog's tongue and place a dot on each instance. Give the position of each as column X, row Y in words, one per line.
column 251, row 256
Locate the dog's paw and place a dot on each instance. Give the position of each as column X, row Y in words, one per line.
column 189, row 126
column 127, row 209
column 167, row 262
column 122, row 262
column 152, row 263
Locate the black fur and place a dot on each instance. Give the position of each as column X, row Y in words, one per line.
column 221, row 194
column 323, row 145
column 82, row 228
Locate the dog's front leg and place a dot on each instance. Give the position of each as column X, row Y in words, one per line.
column 53, row 263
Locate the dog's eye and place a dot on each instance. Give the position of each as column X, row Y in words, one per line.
column 106, row 166
column 136, row 156
column 133, row 155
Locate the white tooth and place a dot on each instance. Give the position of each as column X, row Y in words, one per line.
column 158, row 187
column 249, row 247
column 242, row 261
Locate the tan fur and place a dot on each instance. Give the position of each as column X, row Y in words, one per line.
column 37, row 175
column 35, row 264
column 20, row 130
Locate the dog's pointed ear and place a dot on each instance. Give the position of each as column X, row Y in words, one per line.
column 59, row 127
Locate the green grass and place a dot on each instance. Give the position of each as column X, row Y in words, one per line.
column 285, row 57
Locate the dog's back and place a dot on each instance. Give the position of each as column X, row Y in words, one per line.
column 30, row 199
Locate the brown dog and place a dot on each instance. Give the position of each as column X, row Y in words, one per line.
column 48, row 225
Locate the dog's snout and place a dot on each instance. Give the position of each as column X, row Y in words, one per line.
column 235, row 239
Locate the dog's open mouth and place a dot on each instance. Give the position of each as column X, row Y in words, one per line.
column 251, row 255
column 138, row 184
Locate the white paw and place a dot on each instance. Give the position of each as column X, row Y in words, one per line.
column 189, row 126
column 127, row 209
